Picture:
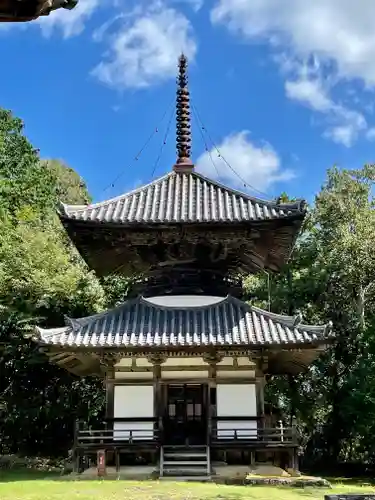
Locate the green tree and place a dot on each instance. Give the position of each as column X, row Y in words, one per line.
column 21, row 172
column 330, row 277
column 69, row 186
column 42, row 277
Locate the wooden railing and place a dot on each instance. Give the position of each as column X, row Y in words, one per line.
column 241, row 430
column 222, row 431
column 130, row 431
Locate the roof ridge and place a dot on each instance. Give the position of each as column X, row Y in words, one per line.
column 298, row 204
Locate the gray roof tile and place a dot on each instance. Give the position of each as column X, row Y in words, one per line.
column 140, row 323
column 182, row 197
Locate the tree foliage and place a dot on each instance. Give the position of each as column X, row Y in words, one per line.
column 69, row 186
column 330, row 276
column 43, row 277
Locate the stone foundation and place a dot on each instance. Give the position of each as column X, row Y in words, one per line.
column 264, row 474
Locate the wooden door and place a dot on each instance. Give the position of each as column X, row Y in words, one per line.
column 185, row 420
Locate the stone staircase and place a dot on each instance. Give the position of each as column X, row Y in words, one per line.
column 182, row 463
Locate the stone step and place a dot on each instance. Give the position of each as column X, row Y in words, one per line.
column 185, row 462
column 185, row 454
column 184, row 471
column 200, row 479
column 177, row 451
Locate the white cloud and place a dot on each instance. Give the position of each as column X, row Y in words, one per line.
column 337, row 34
column 259, row 166
column 309, row 92
column 345, row 124
column 70, row 22
column 370, row 134
column 145, row 48
column 336, row 30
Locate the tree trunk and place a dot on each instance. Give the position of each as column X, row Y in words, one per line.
column 361, row 307
column 290, row 292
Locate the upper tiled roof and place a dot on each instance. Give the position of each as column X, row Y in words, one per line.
column 182, row 197
column 141, row 323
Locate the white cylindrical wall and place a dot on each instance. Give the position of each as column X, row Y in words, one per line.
column 236, row 400
column 133, row 401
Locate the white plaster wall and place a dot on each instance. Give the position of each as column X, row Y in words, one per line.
column 133, row 401
column 236, row 400
column 226, row 361
column 124, row 362
column 242, row 361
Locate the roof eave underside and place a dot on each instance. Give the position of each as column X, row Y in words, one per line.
column 81, row 362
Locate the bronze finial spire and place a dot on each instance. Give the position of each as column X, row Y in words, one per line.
column 183, row 132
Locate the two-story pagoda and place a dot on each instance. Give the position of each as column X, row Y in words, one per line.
column 185, row 361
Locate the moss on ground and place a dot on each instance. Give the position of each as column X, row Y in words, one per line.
column 36, row 486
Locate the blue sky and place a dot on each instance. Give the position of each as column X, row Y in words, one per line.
column 284, row 89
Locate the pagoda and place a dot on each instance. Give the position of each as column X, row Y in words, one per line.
column 184, row 360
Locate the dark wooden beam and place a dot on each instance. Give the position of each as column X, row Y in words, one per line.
column 110, row 395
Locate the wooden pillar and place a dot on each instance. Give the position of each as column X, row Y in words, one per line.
column 211, row 385
column 157, row 360
column 295, row 460
column 158, row 413
column 76, row 453
column 259, row 387
column 109, row 385
column 211, row 359
column 295, row 457
column 260, row 382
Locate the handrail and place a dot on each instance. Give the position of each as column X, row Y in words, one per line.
column 223, row 429
column 131, row 435
column 266, row 435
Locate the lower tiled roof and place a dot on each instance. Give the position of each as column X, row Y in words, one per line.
column 141, row 323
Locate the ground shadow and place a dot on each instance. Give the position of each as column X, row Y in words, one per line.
column 7, row 476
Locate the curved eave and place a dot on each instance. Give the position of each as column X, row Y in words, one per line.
column 227, row 323
column 182, row 198
column 73, row 360
column 295, row 361
column 69, row 220
column 69, row 212
column 295, row 321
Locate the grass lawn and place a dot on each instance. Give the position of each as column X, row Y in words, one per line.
column 37, row 487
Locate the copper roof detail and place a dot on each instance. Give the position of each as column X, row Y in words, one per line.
column 229, row 322
column 182, row 197
column 183, row 130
